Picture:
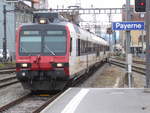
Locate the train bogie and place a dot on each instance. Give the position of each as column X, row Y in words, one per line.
column 43, row 80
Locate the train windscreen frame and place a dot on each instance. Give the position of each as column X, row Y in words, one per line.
column 47, row 43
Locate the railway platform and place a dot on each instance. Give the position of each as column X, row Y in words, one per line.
column 101, row 100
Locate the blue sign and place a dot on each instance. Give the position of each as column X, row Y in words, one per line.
column 127, row 26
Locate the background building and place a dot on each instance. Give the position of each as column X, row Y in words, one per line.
column 137, row 37
column 17, row 13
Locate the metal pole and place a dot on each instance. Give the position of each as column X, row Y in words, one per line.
column 110, row 48
column 115, row 41
column 142, row 43
column 5, row 35
column 128, row 52
column 32, row 4
column 147, row 25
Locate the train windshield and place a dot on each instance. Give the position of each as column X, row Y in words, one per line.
column 55, row 42
column 43, row 42
column 30, row 42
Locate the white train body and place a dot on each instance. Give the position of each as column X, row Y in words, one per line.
column 88, row 50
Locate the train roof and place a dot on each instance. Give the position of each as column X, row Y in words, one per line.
column 95, row 38
column 32, row 24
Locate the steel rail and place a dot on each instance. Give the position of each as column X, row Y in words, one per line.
column 73, row 83
column 40, row 108
column 5, row 71
column 134, row 68
column 8, row 83
column 7, row 79
column 13, row 103
column 6, row 68
column 134, row 61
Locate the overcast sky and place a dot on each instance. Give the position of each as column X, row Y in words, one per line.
column 88, row 3
column 95, row 4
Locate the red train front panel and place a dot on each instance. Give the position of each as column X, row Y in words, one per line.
column 42, row 56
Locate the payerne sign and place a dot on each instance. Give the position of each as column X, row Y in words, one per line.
column 127, row 26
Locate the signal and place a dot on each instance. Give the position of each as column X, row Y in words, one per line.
column 140, row 5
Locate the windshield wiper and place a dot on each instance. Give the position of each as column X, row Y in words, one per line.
column 25, row 50
column 50, row 50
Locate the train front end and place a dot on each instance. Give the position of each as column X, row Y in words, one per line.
column 42, row 56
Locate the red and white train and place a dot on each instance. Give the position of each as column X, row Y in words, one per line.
column 48, row 55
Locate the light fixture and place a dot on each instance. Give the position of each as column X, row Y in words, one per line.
column 59, row 65
column 23, row 74
column 24, row 65
column 42, row 21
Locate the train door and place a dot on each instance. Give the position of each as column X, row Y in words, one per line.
column 87, row 62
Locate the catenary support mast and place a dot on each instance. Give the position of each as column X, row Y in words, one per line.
column 147, row 43
column 128, row 51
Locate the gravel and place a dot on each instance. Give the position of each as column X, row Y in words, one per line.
column 3, row 76
column 11, row 93
column 105, row 77
column 139, row 80
column 28, row 106
column 112, row 77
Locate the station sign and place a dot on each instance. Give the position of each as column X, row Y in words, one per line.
column 128, row 25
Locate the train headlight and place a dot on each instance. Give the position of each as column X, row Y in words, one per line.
column 24, row 65
column 42, row 21
column 59, row 65
column 23, row 74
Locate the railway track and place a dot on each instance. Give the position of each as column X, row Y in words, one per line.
column 7, row 70
column 134, row 61
column 135, row 68
column 13, row 103
column 28, row 103
column 6, row 80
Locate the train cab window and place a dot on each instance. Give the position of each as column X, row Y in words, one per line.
column 30, row 42
column 55, row 42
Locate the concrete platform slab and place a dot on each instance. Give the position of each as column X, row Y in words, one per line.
column 101, row 100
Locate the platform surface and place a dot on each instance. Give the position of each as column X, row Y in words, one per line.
column 101, row 100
